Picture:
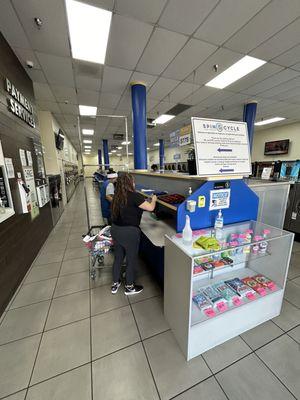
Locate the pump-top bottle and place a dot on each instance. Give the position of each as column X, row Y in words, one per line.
column 187, row 233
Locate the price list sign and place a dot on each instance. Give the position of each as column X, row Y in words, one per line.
column 221, row 147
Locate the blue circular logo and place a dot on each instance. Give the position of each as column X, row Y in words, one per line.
column 219, row 127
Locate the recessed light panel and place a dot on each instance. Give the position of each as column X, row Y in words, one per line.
column 162, row 119
column 269, row 121
column 239, row 69
column 88, row 111
column 88, row 132
column 89, row 29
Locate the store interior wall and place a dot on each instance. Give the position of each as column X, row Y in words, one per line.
column 291, row 131
column 20, row 237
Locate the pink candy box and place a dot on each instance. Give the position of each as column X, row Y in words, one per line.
column 222, row 306
column 209, row 312
column 236, row 301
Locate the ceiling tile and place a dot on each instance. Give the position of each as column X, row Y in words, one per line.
column 215, row 98
column 161, row 108
column 69, row 108
column 161, row 49
column 106, row 4
column 109, row 100
column 161, row 88
column 88, row 69
column 285, row 39
column 36, row 75
column 63, row 94
column 144, row 10
column 124, row 105
column 88, row 83
column 140, row 77
column 26, row 55
column 288, row 58
column 181, row 17
column 115, row 80
column 48, row 106
column 87, row 97
column 296, row 67
column 124, row 31
column 183, row 90
column 274, row 80
column 11, row 28
column 224, row 58
column 194, row 53
column 58, row 70
column 71, row 119
column 199, row 95
column 290, row 96
column 228, row 17
column 266, row 71
column 279, row 13
column 150, row 104
column 282, row 88
column 53, row 36
column 43, row 92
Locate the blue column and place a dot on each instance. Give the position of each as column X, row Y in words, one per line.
column 99, row 157
column 139, row 121
column 161, row 154
column 105, row 153
column 249, row 117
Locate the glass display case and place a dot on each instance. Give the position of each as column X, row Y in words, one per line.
column 224, row 282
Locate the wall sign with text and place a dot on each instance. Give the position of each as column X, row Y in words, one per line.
column 221, row 147
column 19, row 105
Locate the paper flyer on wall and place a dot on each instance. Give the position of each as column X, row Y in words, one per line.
column 9, row 168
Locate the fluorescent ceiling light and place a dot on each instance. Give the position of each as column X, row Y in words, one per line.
column 87, row 141
column 239, row 69
column 114, row 151
column 89, row 29
column 124, row 143
column 109, row 154
column 269, row 121
column 88, row 132
column 87, row 147
column 87, row 111
column 148, row 148
column 162, row 119
column 120, row 148
column 156, row 144
column 130, row 154
column 119, row 155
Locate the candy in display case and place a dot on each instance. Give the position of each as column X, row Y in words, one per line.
column 227, row 287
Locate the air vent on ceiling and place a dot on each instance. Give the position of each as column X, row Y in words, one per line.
column 118, row 136
column 179, row 108
column 150, row 123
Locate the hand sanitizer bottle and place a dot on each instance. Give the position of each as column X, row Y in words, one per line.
column 187, row 233
column 219, row 226
column 219, row 221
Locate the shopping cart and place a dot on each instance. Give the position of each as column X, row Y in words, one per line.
column 99, row 242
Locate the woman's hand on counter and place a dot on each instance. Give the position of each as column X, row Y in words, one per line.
column 149, row 206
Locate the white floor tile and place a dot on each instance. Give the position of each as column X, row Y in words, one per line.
column 124, row 375
column 16, row 363
column 62, row 349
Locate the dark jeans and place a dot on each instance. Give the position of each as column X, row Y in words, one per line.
column 126, row 243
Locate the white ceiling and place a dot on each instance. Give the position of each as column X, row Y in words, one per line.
column 171, row 45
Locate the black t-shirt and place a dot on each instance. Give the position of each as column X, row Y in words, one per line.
column 131, row 214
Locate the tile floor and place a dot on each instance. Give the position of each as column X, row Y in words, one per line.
column 63, row 337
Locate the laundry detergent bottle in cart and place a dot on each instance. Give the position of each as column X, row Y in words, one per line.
column 187, row 233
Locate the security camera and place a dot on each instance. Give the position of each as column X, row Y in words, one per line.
column 216, row 67
column 29, row 64
column 38, row 21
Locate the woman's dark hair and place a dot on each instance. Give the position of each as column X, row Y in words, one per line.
column 154, row 167
column 124, row 184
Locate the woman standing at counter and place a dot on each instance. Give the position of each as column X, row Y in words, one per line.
column 127, row 209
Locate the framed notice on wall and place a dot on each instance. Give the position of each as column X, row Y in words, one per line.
column 221, row 147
